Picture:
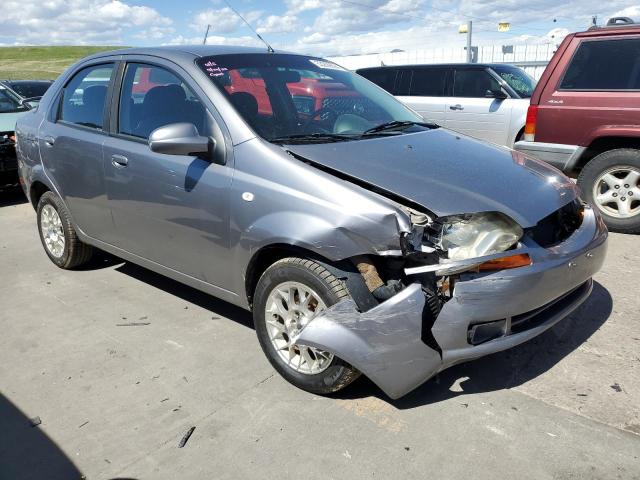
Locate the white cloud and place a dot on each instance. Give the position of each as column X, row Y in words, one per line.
column 79, row 22
column 344, row 17
column 222, row 20
column 297, row 6
column 278, row 24
column 632, row 12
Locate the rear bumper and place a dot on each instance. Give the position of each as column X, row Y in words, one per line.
column 386, row 342
column 559, row 155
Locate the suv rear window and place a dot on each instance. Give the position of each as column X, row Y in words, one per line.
column 604, row 65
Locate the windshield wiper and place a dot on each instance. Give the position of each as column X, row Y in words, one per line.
column 397, row 125
column 312, row 137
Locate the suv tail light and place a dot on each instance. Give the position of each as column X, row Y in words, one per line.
column 530, row 125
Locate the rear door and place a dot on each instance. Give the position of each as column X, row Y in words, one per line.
column 71, row 139
column 426, row 92
column 469, row 111
column 170, row 209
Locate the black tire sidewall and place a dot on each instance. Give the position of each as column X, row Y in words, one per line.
column 324, row 382
column 622, row 158
column 50, row 199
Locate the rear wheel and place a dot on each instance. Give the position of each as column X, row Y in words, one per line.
column 611, row 182
column 57, row 234
column 289, row 294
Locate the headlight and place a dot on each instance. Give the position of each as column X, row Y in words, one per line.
column 477, row 235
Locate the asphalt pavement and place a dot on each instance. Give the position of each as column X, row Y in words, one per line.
column 104, row 370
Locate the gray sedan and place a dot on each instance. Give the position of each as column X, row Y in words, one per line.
column 363, row 239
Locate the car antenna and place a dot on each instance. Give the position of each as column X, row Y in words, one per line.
column 269, row 47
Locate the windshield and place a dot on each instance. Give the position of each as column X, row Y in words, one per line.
column 30, row 89
column 9, row 103
column 517, row 79
column 282, row 96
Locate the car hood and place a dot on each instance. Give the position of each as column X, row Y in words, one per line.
column 447, row 173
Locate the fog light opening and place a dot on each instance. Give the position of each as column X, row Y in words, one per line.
column 483, row 332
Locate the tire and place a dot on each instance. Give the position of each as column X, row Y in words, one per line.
column 74, row 253
column 606, row 174
column 336, row 373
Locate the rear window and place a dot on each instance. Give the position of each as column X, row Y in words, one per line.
column 428, row 82
column 604, row 65
column 383, row 77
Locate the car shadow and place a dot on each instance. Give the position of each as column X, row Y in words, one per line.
column 188, row 294
column 506, row 369
column 12, row 196
column 498, row 371
column 26, row 452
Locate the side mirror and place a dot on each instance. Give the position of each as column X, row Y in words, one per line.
column 499, row 94
column 180, row 139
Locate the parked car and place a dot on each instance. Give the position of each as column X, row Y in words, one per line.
column 584, row 118
column 11, row 108
column 27, row 90
column 364, row 241
column 487, row 101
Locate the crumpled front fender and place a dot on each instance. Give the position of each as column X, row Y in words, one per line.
column 384, row 343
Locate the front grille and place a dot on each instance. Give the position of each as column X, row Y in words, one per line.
column 557, row 227
column 533, row 318
column 482, row 332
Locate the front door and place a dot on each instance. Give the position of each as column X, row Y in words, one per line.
column 469, row 111
column 170, row 209
column 71, row 139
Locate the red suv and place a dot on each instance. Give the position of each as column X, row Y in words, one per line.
column 584, row 118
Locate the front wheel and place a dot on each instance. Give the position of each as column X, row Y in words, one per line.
column 611, row 182
column 289, row 294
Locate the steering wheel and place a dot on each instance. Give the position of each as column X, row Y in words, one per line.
column 313, row 115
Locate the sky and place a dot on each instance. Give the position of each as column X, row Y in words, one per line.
column 319, row 27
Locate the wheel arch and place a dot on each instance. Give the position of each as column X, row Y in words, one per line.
column 267, row 256
column 36, row 190
column 604, row 144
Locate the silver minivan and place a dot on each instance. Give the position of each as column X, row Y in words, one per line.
column 485, row 101
column 363, row 239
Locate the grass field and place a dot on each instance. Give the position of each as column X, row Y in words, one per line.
column 41, row 62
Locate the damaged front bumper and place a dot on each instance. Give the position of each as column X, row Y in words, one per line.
column 507, row 307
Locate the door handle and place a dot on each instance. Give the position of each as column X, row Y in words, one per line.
column 457, row 106
column 119, row 161
column 49, row 141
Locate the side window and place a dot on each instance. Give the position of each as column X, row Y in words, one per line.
column 383, row 77
column 152, row 97
column 428, row 82
column 84, row 97
column 404, row 82
column 604, row 65
column 473, row 83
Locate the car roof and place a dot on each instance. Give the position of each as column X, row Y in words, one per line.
column 185, row 52
column 441, row 65
column 20, row 82
column 632, row 28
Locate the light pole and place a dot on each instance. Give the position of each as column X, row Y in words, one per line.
column 467, row 29
column 469, row 53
